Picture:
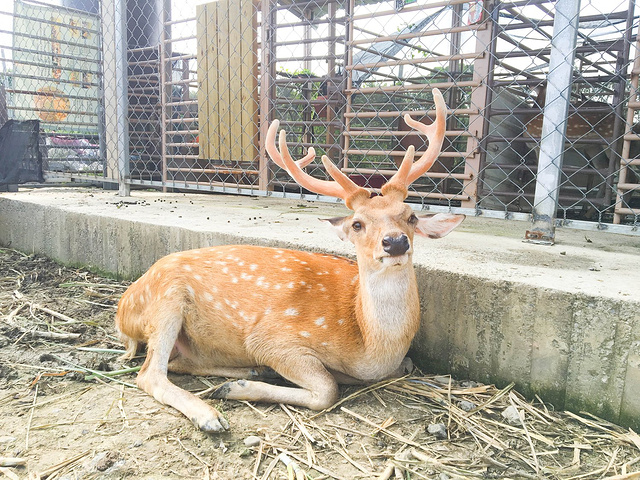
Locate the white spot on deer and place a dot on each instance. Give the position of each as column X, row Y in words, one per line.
column 241, row 263
column 198, row 277
column 187, row 268
column 286, row 269
column 305, row 334
column 219, row 262
column 277, row 256
column 142, row 299
column 191, row 291
column 303, row 283
column 277, row 286
column 325, row 344
column 291, row 285
column 218, row 305
column 207, row 296
column 341, row 321
column 253, row 267
column 234, row 280
column 354, row 280
column 245, row 276
column 225, row 270
column 320, row 321
column 303, row 263
column 267, row 311
column 291, row 312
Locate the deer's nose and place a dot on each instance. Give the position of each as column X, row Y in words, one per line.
column 395, row 246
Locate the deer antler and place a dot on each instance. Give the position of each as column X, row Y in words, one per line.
column 341, row 186
column 409, row 171
column 270, row 145
column 435, row 134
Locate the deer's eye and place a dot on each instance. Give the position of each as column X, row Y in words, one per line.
column 357, row 226
column 413, row 219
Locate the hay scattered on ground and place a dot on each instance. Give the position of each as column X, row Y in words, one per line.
column 56, row 330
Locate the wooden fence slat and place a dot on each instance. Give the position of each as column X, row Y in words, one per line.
column 203, row 79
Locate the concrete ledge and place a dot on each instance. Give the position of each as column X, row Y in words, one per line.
column 562, row 322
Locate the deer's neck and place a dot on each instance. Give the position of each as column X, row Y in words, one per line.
column 388, row 309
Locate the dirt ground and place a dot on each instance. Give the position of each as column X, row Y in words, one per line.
column 57, row 421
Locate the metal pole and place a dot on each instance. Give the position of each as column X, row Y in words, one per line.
column 115, row 83
column 554, row 124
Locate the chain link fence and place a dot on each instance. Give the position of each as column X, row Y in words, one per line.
column 201, row 81
column 50, row 71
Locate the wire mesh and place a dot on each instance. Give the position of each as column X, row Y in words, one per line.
column 205, row 79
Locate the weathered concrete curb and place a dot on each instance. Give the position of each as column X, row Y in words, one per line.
column 562, row 322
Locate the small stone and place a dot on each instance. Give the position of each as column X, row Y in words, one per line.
column 137, row 443
column 252, row 441
column 512, row 415
column 466, row 405
column 444, row 379
column 438, row 430
column 443, row 476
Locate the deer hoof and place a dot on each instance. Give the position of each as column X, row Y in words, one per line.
column 214, row 424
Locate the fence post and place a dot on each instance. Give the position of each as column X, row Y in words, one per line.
column 554, row 124
column 115, row 81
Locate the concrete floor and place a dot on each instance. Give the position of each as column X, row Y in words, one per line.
column 562, row 321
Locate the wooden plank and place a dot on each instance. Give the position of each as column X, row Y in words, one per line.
column 222, row 65
column 212, row 73
column 236, row 79
column 203, row 79
column 248, row 92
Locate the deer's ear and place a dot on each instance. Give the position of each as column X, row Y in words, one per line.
column 438, row 225
column 339, row 225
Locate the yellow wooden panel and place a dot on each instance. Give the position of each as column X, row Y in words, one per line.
column 227, row 75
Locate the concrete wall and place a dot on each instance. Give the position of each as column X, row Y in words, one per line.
column 563, row 323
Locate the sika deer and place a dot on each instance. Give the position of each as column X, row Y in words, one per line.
column 316, row 320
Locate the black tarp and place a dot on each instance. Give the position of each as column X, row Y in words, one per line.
column 20, row 157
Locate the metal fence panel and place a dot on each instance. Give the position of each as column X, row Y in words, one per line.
column 205, row 79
